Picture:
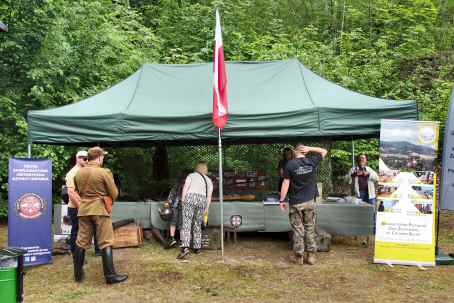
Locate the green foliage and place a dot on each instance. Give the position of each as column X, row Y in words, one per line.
column 3, row 210
column 59, row 51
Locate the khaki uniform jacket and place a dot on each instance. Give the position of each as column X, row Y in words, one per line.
column 92, row 182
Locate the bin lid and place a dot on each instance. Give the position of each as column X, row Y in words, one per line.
column 11, row 252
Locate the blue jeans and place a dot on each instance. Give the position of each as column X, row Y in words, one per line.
column 364, row 195
column 72, row 214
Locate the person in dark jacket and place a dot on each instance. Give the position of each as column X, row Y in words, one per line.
column 300, row 181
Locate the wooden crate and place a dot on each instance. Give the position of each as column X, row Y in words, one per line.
column 130, row 235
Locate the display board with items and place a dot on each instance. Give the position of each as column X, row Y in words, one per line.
column 241, row 185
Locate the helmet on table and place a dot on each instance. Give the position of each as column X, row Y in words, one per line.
column 166, row 212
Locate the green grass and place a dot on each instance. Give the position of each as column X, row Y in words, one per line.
column 255, row 270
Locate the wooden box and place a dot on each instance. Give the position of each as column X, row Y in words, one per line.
column 128, row 236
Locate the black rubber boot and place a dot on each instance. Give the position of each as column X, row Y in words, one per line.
column 98, row 252
column 109, row 271
column 78, row 258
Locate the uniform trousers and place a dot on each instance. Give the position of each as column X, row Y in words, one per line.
column 72, row 214
column 104, row 231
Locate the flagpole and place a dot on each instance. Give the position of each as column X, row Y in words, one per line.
column 220, row 105
column 221, row 192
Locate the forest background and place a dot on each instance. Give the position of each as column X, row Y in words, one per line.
column 59, row 51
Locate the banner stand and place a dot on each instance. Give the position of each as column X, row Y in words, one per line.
column 447, row 179
column 30, row 208
column 444, row 259
column 406, row 224
column 440, row 257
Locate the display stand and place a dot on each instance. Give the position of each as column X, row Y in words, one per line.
column 444, row 259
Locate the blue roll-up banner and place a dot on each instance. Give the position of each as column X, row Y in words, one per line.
column 447, row 164
column 30, row 209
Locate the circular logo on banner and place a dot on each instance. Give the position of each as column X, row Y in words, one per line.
column 30, row 206
column 427, row 134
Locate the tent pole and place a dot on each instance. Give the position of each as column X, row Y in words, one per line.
column 221, row 193
column 29, row 150
column 353, row 153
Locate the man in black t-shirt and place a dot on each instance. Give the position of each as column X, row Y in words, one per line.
column 300, row 182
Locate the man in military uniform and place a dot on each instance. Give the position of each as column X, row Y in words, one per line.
column 74, row 201
column 300, row 176
column 93, row 182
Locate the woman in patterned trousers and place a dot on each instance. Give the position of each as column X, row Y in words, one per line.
column 196, row 199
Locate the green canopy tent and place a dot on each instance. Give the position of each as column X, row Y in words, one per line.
column 269, row 101
column 172, row 104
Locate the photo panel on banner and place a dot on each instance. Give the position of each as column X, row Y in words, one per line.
column 405, row 225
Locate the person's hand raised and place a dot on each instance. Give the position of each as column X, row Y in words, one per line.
column 305, row 149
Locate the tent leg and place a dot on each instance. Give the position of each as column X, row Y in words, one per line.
column 29, row 150
column 353, row 153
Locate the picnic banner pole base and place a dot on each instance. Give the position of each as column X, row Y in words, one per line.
column 444, row 259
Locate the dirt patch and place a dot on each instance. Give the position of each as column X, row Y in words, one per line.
column 170, row 277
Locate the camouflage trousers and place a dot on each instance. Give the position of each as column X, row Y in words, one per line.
column 302, row 220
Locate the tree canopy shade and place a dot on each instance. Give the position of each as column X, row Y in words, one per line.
column 172, row 103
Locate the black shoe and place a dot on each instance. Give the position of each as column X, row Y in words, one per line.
column 78, row 259
column 184, row 252
column 197, row 251
column 109, row 271
column 171, row 243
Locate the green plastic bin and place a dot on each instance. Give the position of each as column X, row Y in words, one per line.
column 8, row 285
column 11, row 275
